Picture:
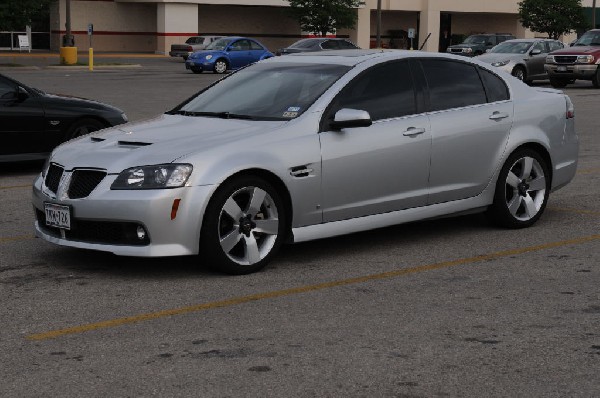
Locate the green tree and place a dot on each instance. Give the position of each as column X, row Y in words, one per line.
column 323, row 16
column 16, row 14
column 554, row 17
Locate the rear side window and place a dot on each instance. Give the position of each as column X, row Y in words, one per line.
column 452, row 84
column 495, row 87
column 555, row 45
column 385, row 91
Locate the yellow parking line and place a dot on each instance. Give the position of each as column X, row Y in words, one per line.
column 588, row 171
column 303, row 289
column 15, row 238
column 16, row 186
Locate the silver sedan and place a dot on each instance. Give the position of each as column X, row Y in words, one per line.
column 523, row 58
column 311, row 146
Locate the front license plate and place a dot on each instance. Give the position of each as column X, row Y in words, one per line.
column 58, row 216
column 561, row 69
column 192, row 64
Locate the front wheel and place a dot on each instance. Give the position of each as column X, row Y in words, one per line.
column 244, row 226
column 519, row 73
column 596, row 78
column 521, row 191
column 220, row 66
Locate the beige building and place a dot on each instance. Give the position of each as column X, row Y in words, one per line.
column 153, row 25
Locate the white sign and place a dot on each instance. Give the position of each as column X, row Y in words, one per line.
column 23, row 43
column 411, row 33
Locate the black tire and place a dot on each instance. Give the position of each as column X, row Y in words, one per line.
column 522, row 190
column 520, row 73
column 83, row 127
column 558, row 83
column 220, row 66
column 238, row 237
column 596, row 78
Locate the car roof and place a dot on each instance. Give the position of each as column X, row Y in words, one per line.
column 527, row 40
column 355, row 57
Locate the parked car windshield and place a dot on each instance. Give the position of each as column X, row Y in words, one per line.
column 589, row 39
column 218, row 45
column 272, row 91
column 475, row 40
column 515, row 47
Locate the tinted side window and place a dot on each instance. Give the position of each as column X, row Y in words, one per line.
column 452, row 84
column 495, row 87
column 346, row 45
column 385, row 91
column 7, row 89
column 554, row 45
column 255, row 46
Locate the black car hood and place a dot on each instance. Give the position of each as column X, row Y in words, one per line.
column 63, row 99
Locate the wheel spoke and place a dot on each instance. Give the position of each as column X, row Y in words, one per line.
column 514, row 204
column 269, row 227
column 529, row 206
column 256, row 201
column 252, row 253
column 527, row 166
column 233, row 209
column 538, row 184
column 228, row 242
column 512, row 180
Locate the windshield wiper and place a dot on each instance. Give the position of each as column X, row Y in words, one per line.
column 228, row 115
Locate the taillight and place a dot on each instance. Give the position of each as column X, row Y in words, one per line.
column 570, row 108
column 190, row 49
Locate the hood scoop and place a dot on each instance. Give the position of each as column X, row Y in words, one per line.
column 133, row 144
column 97, row 139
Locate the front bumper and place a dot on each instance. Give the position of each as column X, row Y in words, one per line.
column 571, row 71
column 198, row 65
column 121, row 209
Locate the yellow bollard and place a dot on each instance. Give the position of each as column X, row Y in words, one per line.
column 68, row 55
column 91, row 59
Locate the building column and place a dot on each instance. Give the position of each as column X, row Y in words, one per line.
column 429, row 23
column 361, row 35
column 175, row 22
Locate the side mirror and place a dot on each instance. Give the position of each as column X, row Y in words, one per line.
column 350, row 118
column 22, row 94
column 536, row 51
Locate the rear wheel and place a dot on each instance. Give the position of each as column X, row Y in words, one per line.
column 558, row 83
column 244, row 226
column 83, row 127
column 521, row 191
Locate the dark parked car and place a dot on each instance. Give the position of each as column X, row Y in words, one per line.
column 479, row 44
column 32, row 122
column 318, row 44
column 227, row 53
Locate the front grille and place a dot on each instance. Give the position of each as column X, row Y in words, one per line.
column 456, row 50
column 83, row 182
column 102, row 232
column 53, row 176
column 565, row 59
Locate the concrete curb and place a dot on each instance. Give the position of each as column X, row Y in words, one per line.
column 85, row 67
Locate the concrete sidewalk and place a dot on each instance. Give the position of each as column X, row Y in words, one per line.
column 45, row 59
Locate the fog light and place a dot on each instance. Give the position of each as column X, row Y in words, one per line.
column 141, row 233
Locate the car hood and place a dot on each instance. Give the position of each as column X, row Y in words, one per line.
column 161, row 140
column 62, row 99
column 204, row 53
column 464, row 45
column 497, row 57
column 577, row 50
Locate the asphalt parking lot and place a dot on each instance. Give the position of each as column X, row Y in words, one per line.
column 451, row 308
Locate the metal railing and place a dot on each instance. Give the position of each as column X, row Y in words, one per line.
column 10, row 40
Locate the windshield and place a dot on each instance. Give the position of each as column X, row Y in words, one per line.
column 218, row 45
column 512, row 47
column 476, row 40
column 589, row 39
column 304, row 43
column 271, row 91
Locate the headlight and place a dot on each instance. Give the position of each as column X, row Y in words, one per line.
column 208, row 57
column 550, row 59
column 585, row 59
column 153, row 177
column 468, row 50
column 124, row 117
column 500, row 63
column 448, row 50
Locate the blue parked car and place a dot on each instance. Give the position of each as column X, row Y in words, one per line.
column 227, row 53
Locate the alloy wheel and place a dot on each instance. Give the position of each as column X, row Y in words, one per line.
column 525, row 188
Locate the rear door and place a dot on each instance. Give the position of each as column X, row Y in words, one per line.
column 383, row 167
column 471, row 116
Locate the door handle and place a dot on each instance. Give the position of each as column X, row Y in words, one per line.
column 412, row 131
column 498, row 116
